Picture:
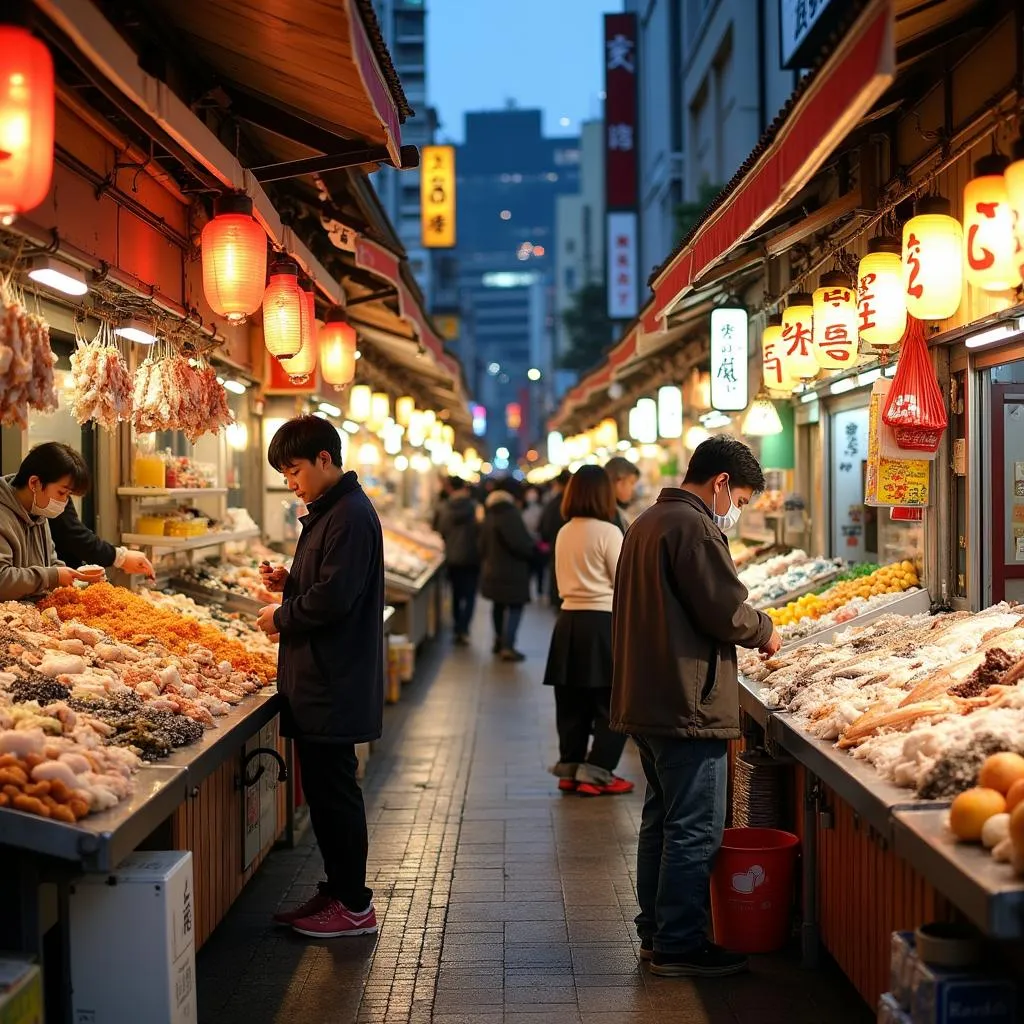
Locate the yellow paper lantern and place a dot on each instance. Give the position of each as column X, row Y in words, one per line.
column 380, row 410
column 774, row 370
column 990, row 247
column 607, row 433
column 1014, row 178
column 360, row 403
column 835, row 322
column 404, row 408
column 337, row 349
column 448, row 435
column 300, row 367
column 881, row 295
column 416, row 432
column 933, row 260
column 798, row 359
column 429, row 418
column 283, row 306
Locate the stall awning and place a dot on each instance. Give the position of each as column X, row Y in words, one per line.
column 827, row 105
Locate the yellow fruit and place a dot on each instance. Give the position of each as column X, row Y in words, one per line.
column 972, row 808
column 1001, row 771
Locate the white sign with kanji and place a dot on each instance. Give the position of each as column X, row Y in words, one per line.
column 622, row 266
column 729, row 333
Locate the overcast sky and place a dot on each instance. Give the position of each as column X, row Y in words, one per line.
column 541, row 53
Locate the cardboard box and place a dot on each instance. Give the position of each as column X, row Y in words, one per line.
column 956, row 997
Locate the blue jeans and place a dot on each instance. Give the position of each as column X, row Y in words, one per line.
column 680, row 833
column 506, row 619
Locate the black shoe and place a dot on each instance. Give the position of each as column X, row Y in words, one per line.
column 646, row 950
column 496, row 647
column 511, row 655
column 709, row 961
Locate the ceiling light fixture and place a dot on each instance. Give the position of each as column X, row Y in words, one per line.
column 331, row 410
column 136, row 330
column 994, row 335
column 58, row 275
column 236, row 387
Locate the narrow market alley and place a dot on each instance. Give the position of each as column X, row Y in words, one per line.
column 499, row 900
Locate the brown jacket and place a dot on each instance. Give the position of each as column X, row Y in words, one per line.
column 679, row 612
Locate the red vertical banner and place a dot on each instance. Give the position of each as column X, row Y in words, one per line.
column 620, row 111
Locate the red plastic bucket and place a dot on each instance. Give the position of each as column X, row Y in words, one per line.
column 752, row 889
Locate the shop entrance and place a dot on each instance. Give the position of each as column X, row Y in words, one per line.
column 1007, row 541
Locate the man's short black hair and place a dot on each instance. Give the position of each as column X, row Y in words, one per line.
column 724, row 454
column 619, row 468
column 456, row 483
column 53, row 461
column 304, row 437
column 563, row 478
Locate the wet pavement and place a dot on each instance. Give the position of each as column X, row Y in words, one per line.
column 500, row 901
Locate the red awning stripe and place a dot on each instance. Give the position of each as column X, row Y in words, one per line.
column 375, row 85
column 845, row 89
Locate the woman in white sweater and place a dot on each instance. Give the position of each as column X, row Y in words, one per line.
column 580, row 660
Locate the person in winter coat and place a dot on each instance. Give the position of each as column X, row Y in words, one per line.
column 533, row 509
column 580, row 659
column 30, row 500
column 551, row 522
column 457, row 523
column 330, row 664
column 77, row 545
column 507, row 553
column 679, row 612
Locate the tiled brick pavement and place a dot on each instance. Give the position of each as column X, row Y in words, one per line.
column 500, row 901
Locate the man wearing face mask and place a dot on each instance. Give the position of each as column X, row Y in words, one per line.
column 679, row 613
column 37, row 494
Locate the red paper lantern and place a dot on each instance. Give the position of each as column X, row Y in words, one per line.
column 300, row 367
column 26, row 121
column 337, row 349
column 234, row 259
column 283, row 305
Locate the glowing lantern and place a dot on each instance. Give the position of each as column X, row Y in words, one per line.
column 448, row 435
column 26, row 121
column 798, row 359
column 360, row 403
column 404, row 408
column 234, row 250
column 300, row 367
column 763, row 418
column 933, row 260
column 337, row 344
column 429, row 416
column 1014, row 178
column 380, row 410
column 990, row 248
column 881, row 294
column 283, row 305
column 835, row 322
column 416, row 432
column 773, row 367
column 607, row 433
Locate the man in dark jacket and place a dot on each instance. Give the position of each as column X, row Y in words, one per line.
column 551, row 522
column 330, row 664
column 507, row 556
column 457, row 523
column 77, row 545
column 679, row 612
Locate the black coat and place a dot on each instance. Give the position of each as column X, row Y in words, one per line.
column 456, row 522
column 507, row 552
column 331, row 660
column 76, row 544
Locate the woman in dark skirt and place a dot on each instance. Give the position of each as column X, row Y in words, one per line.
column 580, row 660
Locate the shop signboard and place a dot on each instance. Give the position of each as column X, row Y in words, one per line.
column 804, row 25
column 277, row 381
column 437, row 197
column 620, row 111
column 729, row 347
column 849, row 457
column 622, row 266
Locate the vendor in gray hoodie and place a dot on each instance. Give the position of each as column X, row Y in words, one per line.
column 29, row 567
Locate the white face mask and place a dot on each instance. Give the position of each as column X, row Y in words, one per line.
column 51, row 510
column 731, row 518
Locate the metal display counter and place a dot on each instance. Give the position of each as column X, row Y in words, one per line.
column 417, row 603
column 793, row 595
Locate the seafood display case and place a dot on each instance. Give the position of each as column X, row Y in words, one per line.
column 413, row 578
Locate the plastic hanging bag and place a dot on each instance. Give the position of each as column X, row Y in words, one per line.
column 915, row 408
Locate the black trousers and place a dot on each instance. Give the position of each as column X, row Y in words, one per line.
column 582, row 712
column 464, row 580
column 338, row 817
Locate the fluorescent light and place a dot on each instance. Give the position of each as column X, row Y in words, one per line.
column 57, row 274
column 994, row 335
column 331, row 410
column 840, row 387
column 810, row 396
column 868, row 377
column 349, row 426
column 714, row 420
column 322, row 415
column 890, row 371
column 136, row 330
column 236, row 387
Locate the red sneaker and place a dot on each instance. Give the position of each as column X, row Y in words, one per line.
column 313, row 905
column 336, row 920
column 567, row 785
column 617, row 787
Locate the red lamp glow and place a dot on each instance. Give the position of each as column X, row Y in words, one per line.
column 337, row 349
column 283, row 305
column 234, row 259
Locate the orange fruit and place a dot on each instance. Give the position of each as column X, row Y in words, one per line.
column 972, row 808
column 1001, row 771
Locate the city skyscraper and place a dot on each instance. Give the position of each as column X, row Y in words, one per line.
column 404, row 25
column 509, row 178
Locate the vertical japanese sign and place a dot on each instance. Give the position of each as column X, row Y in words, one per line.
column 803, row 24
column 437, row 197
column 729, row 331
column 620, row 163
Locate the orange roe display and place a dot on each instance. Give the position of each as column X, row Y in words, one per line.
column 131, row 619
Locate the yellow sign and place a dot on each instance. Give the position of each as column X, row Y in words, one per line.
column 896, row 482
column 437, row 197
